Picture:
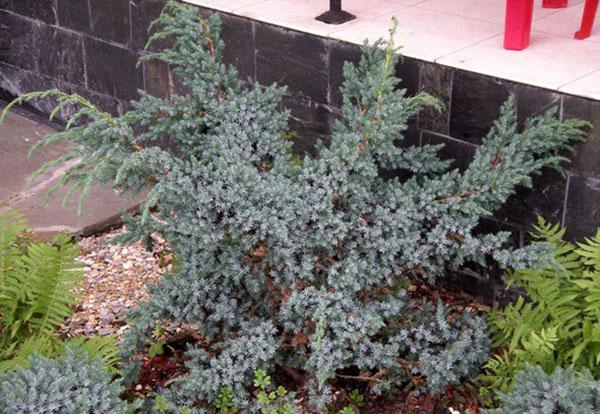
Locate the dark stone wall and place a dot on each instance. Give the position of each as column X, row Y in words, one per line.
column 91, row 47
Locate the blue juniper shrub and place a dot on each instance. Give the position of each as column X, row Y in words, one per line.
column 302, row 262
column 71, row 384
column 562, row 391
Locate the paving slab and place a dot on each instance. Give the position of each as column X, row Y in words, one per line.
column 102, row 209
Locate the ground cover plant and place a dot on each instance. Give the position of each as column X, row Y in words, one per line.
column 561, row 391
column 73, row 383
column 556, row 323
column 301, row 264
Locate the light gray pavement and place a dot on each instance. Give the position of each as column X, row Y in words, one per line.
column 102, row 208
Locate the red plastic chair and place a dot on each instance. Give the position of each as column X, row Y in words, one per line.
column 587, row 21
column 555, row 4
column 519, row 14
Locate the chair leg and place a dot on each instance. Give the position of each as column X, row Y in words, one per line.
column 555, row 4
column 517, row 24
column 587, row 21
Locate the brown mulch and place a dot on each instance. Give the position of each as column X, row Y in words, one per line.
column 116, row 280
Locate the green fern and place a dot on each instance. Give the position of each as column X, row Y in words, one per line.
column 499, row 373
column 38, row 289
column 53, row 274
column 11, row 225
column 590, row 251
column 558, row 325
column 20, row 356
column 36, row 296
column 102, row 347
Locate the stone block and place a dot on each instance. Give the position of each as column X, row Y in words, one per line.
column 143, row 12
column 546, row 198
column 106, row 103
column 310, row 120
column 476, row 102
column 110, row 20
column 74, row 15
column 409, row 71
column 586, row 160
column 460, row 152
column 340, row 52
column 112, row 70
column 238, row 36
column 43, row 10
column 157, row 79
column 62, row 56
column 583, row 207
column 533, row 101
column 101, row 209
column 19, row 41
column 16, row 81
column 436, row 80
column 297, row 60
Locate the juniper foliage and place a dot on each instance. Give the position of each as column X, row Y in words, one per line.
column 303, row 262
column 563, row 391
column 73, row 384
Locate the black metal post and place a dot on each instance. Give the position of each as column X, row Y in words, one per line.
column 335, row 15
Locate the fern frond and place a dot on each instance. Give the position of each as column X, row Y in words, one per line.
column 37, row 296
column 498, row 375
column 11, row 225
column 52, row 274
column 590, row 251
column 516, row 321
column 102, row 347
column 19, row 355
column 538, row 348
column 552, row 233
column 559, row 323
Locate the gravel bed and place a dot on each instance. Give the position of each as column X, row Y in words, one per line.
column 116, row 280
